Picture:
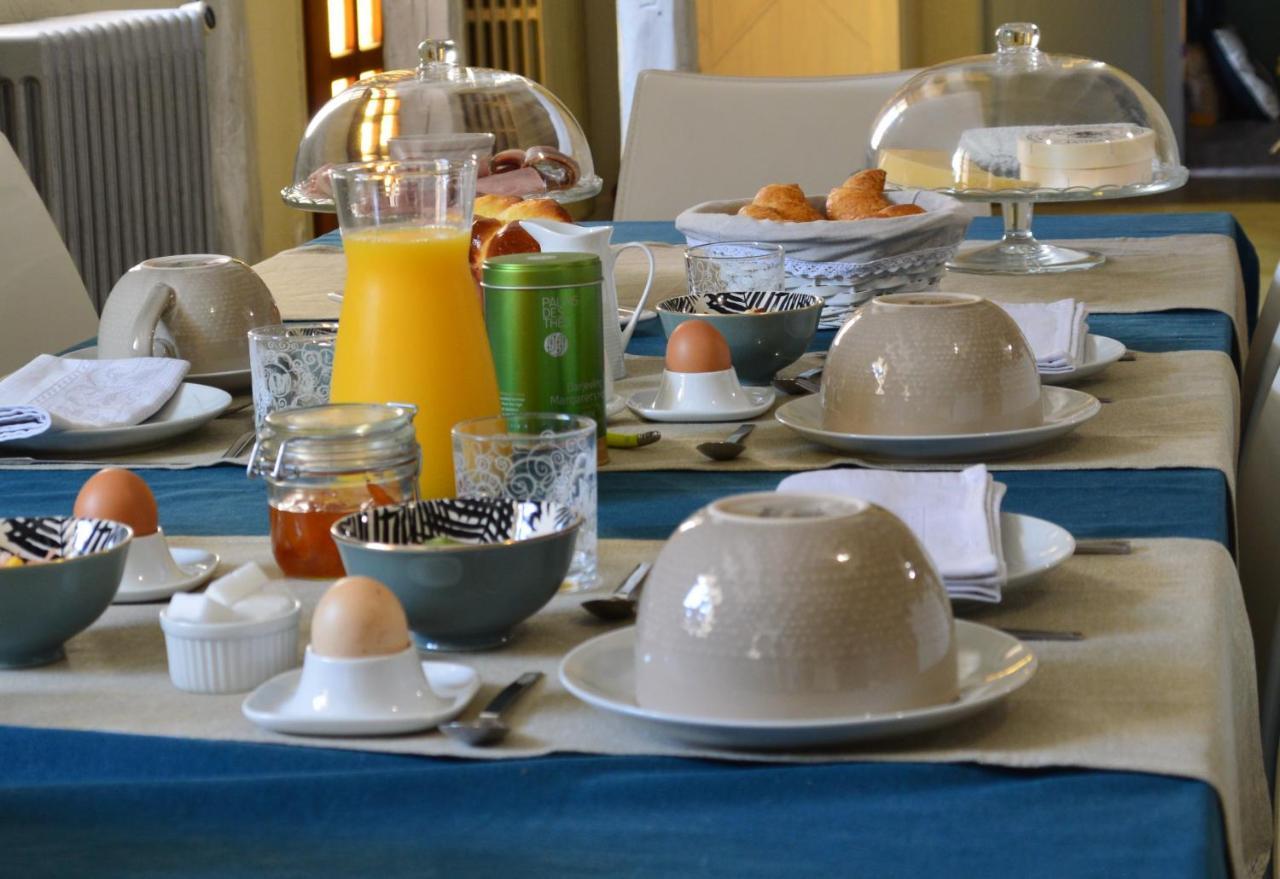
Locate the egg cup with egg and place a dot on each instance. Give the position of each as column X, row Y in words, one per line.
column 361, row 675
column 153, row 570
column 699, row 382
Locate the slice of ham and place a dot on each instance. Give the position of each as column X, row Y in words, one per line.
column 524, row 181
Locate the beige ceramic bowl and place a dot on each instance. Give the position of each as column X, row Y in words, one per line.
column 786, row 606
column 930, row 364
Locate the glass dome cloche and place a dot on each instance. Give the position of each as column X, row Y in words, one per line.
column 1022, row 126
column 527, row 142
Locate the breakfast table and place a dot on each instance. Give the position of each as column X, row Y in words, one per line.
column 1044, row 785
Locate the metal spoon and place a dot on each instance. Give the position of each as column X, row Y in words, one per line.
column 731, row 448
column 1042, row 634
column 489, row 728
column 807, row 382
column 621, row 603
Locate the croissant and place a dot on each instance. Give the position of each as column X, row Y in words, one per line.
column 868, row 180
column 760, row 212
column 493, row 205
column 898, row 210
column 535, row 209
column 853, row 204
column 788, row 200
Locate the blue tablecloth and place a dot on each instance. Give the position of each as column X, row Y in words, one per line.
column 92, row 804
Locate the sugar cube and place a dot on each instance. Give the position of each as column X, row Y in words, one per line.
column 244, row 581
column 263, row 606
column 199, row 609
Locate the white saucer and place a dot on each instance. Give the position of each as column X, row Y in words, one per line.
column 1031, row 547
column 641, row 403
column 1099, row 353
column 457, row 683
column 614, row 406
column 1064, row 410
column 991, row 665
column 190, row 407
column 624, row 315
column 197, row 564
column 230, row 380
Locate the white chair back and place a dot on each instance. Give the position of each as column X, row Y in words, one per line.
column 1258, row 518
column 1264, row 353
column 44, row 306
column 694, row 138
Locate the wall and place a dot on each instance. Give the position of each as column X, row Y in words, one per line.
column 259, row 223
column 280, row 112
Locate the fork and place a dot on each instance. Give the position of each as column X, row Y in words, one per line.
column 240, row 444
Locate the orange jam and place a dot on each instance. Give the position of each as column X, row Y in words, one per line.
column 300, row 539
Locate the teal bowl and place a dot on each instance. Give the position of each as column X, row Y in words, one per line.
column 467, row 570
column 766, row 331
column 72, row 569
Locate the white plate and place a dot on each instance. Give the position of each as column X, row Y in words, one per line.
column 614, row 406
column 1064, row 410
column 1099, row 353
column 231, row 380
column 457, row 683
column 761, row 399
column 991, row 665
column 190, row 407
column 1032, row 546
column 197, row 564
column 624, row 315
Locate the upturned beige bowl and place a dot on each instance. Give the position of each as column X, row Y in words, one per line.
column 786, row 606
column 930, row 364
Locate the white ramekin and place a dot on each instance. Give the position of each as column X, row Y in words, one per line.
column 230, row 657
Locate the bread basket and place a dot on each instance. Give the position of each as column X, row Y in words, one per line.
column 894, row 255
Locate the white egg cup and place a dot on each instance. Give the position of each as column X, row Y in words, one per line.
column 367, row 686
column 703, row 391
column 230, row 657
column 701, row 396
column 153, row 570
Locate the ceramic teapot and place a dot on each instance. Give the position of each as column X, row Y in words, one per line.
column 198, row 306
column 554, row 237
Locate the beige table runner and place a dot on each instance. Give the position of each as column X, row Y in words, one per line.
column 1167, row 410
column 1140, row 275
column 1163, row 683
column 203, row 447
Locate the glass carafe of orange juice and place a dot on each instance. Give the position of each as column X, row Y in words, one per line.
column 412, row 325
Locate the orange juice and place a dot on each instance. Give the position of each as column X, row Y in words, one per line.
column 412, row 331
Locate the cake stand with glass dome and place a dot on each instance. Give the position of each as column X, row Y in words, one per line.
column 437, row 105
column 1021, row 127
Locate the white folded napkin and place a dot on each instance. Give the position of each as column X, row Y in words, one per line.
column 955, row 516
column 1056, row 331
column 76, row 394
column 19, row 422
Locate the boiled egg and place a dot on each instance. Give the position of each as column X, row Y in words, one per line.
column 697, row 346
column 358, row 616
column 121, row 496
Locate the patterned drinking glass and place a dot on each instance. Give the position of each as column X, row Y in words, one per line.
column 735, row 267
column 534, row 456
column 292, row 365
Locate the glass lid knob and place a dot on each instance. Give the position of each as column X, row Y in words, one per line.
column 1017, row 36
column 438, row 52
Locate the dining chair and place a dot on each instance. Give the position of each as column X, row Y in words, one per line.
column 1264, row 353
column 44, row 306
column 694, row 138
column 1258, row 529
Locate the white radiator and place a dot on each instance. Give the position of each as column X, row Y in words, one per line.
column 108, row 113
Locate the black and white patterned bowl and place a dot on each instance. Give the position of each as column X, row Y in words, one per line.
column 503, row 562
column 71, row 571
column 766, row 330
